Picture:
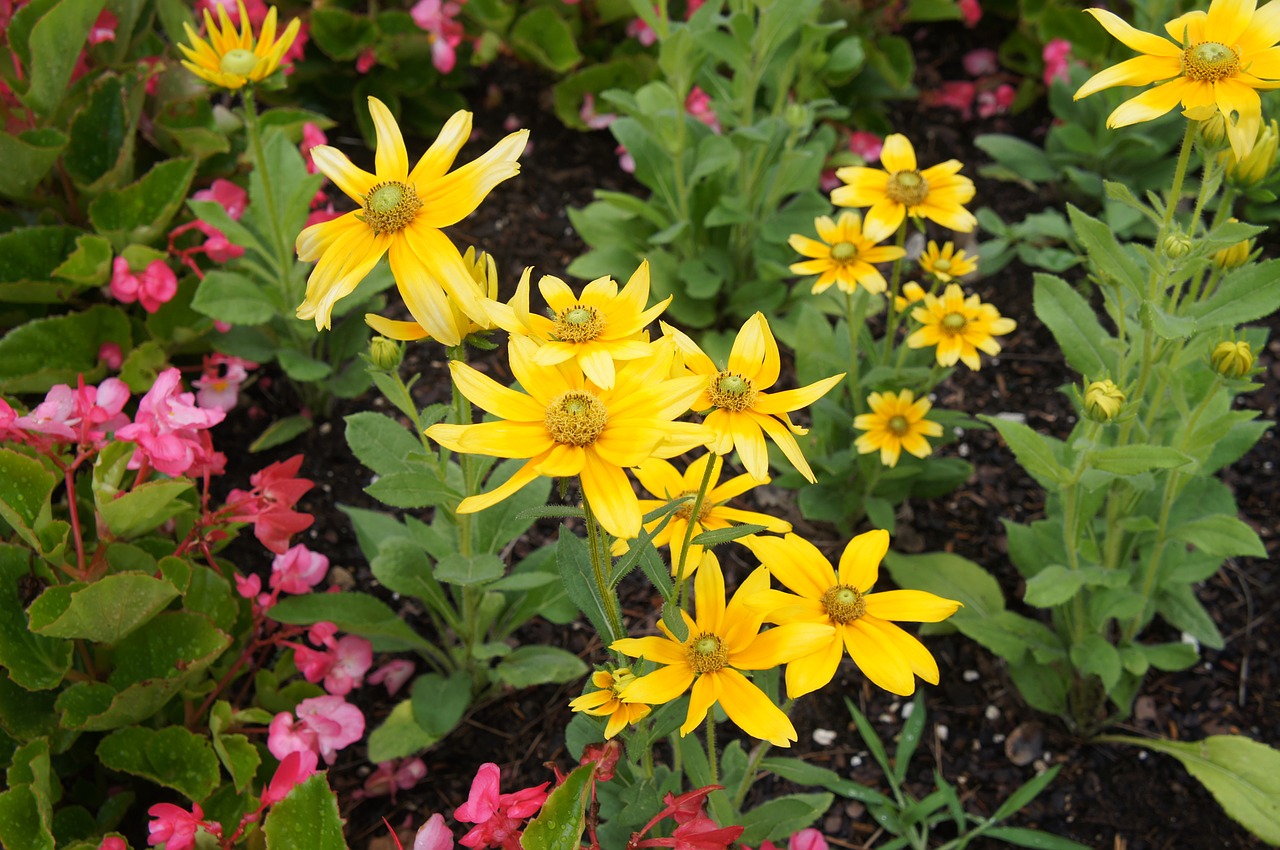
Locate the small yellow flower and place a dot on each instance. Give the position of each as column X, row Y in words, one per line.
column 606, row 702
column 741, row 412
column 1253, row 169
column 723, row 639
column 937, row 193
column 1234, row 256
column 844, row 257
column 896, row 422
column 596, row 328
column 911, row 293
column 1103, row 400
column 1216, row 61
column 484, row 273
column 947, row 263
column 232, row 60
column 842, row 597
column 960, row 327
column 1232, row 359
column 663, row 480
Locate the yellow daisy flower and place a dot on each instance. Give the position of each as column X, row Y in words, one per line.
column 232, row 60
column 841, row 597
column 723, row 639
column 959, row 326
column 663, row 480
column 1216, row 59
column 741, row 412
column 401, row 213
column 484, row 273
column 605, row 702
column 903, row 189
column 911, row 293
column 896, row 422
column 845, row 256
column 596, row 328
column 566, row 425
column 946, row 263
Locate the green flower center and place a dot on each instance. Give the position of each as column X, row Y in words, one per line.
column 576, row 418
column 1209, row 62
column 579, row 324
column 238, row 61
column 908, row 188
column 390, row 206
column 706, row 653
column 953, row 323
column 843, row 252
column 844, row 604
column 942, row 264
column 621, row 678
column 899, row 425
column 731, row 391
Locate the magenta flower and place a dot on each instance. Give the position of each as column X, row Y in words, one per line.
column 390, row 777
column 166, row 427
column 269, row 505
column 233, row 199
column 312, row 136
column 434, row 835
column 342, row 665
column 173, row 827
column 437, row 18
column 866, row 145
column 298, row 570
column 498, row 818
column 971, row 11
column 153, row 288
column 698, row 104
column 295, row 768
column 807, row 839
column 393, row 675
column 324, row 725
column 980, row 62
column 110, row 355
column 996, row 101
column 218, row 386
column 104, row 28
column 1057, row 61
column 84, row 415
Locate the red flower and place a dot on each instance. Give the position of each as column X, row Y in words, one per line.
column 497, row 817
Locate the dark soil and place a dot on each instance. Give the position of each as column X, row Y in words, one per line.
column 1105, row 797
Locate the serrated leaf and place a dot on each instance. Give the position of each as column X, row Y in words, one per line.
column 1074, row 325
column 400, row 735
column 1035, row 452
column 381, row 443
column 562, row 819
column 52, row 49
column 56, row 350
column 29, row 157
column 539, row 665
column 233, row 298
column 172, row 757
column 141, row 212
column 419, row 488
column 34, row 662
column 105, row 611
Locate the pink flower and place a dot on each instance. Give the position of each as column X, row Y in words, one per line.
column 173, row 827
column 167, row 425
column 113, row 842
column 248, row 586
column 390, row 777
column 1057, row 61
column 321, row 634
column 234, row 199
column 996, row 101
column 434, row 835
column 980, row 62
column 698, row 104
column 807, row 839
column 295, row 768
column 110, row 355
column 691, row 7
column 590, row 117
column 153, row 288
column 84, row 415
column 104, row 28
column 269, row 505
column 626, row 161
column 866, row 145
column 7, row 419
column 366, row 60
column 324, row 725
column 312, row 136
column 497, row 817
column 257, row 10
column 219, row 384
column 298, row 570
column 393, row 674
column 217, row 246
column 353, row 656
column 957, row 95
column 971, row 10
column 321, row 216
column 437, row 18
column 641, row 32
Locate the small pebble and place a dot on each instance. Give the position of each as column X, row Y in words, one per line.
column 941, row 732
column 1013, row 416
column 971, row 675
column 997, row 738
column 991, row 713
column 907, row 709
column 824, row 737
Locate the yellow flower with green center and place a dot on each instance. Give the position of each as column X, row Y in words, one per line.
column 566, row 425
column 1216, row 62
column 233, row 60
column 741, row 412
column 946, row 263
column 841, row 597
column 401, row 213
column 596, row 328
column 960, row 327
column 896, row 422
column 484, row 273
column 723, row 639
column 903, row 189
column 845, row 256
column 664, row 481
column 605, row 702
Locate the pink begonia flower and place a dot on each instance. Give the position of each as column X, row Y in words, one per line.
column 298, row 570
column 321, row 633
column 1057, row 61
column 626, row 161
column 104, row 28
column 84, row 415
column 110, row 355
column 8, row 431
column 593, row 119
column 295, row 768
column 167, row 425
column 321, row 216
column 269, row 505
column 312, row 136
column 807, row 839
column 365, row 61
column 980, row 62
column 971, row 10
column 438, row 18
column 866, row 144
column 153, row 288
column 434, row 835
column 217, row 246
column 113, row 842
column 390, row 777
column 233, row 199
column 692, row 7
column 219, row 384
column 698, row 104
column 393, row 675
column 173, row 827
column 641, row 32
column 257, row 10
column 497, row 817
column 957, row 95
column 996, row 101
column 324, row 725
column 248, row 586
column 342, row 666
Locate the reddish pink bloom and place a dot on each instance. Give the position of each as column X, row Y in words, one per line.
column 434, row 835
column 295, row 768
column 269, row 505
column 248, row 586
column 605, row 756
column 104, row 28
column 324, row 725
column 590, row 117
column 641, row 32
column 321, row 634
column 971, row 10
column 695, row 831
column 110, row 355
column 342, row 666
column 698, row 104
column 365, row 61
column 692, row 7
column 154, row 65
column 7, row 419
column 390, row 777
column 807, row 839
column 173, row 827
column 996, row 101
column 219, row 384
column 113, row 842
column 1057, row 61
column 498, row 818
column 393, row 674
column 957, row 95
column 312, row 136
column 438, row 18
column 234, row 199
column 153, row 288
column 866, row 145
column 980, row 62
column 321, row 216
column 257, row 10
column 167, row 425
column 626, row 161
column 298, row 570
column 84, row 415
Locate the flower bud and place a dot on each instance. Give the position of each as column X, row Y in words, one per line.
column 1177, row 245
column 1213, row 130
column 798, row 116
column 1232, row 359
column 386, row 354
column 1254, row 168
column 1234, row 257
column 1103, row 400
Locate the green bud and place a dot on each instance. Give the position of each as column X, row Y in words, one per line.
column 798, row 116
column 1213, row 130
column 1103, row 400
column 1254, row 168
column 386, row 354
column 1177, row 245
column 1232, row 359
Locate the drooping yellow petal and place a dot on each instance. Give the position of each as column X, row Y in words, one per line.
column 705, row 693
column 748, row 707
column 878, row 659
column 795, row 562
column 910, row 650
column 1149, row 105
column 860, row 562
column 606, row 487
column 1135, row 39
column 522, row 476
column 810, row 672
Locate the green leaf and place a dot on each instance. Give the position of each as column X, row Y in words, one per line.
column 381, row 443
column 1028, row 161
column 105, row 611
column 308, row 818
column 44, row 352
column 29, row 157
column 281, row 431
column 803, row 773
column 234, row 299
column 302, row 367
column 951, row 577
column 1096, row 656
column 89, row 264
column 402, row 567
column 34, row 662
column 144, row 508
column 419, row 488
column 1110, row 259
column 723, row 535
column 782, row 816
column 24, row 714
column 1036, row 452
column 542, row 36
column 354, row 612
column 1012, row 636
column 562, row 819
column 1053, row 585
column 52, row 49
column 1222, row 535
column 342, row 35
column 469, row 569
column 1243, row 775
column 172, row 757
column 141, row 211
column 399, row 735
column 25, row 487
column 1136, row 459
column 22, row 823
column 539, row 665
column 1074, row 325
column 101, row 148
column 1044, row 688
column 908, row 740
column 1170, row 656
column 1178, row 604
column 573, row 561
column 1034, row 838
column 1247, row 294
column 439, row 701
column 241, row 759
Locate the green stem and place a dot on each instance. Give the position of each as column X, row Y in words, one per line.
column 711, row 748
column 891, row 309
column 283, row 254
column 855, row 312
column 695, row 511
column 600, row 563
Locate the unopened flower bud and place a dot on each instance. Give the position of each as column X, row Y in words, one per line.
column 386, row 354
column 1103, row 400
column 1234, row 257
column 1213, row 130
column 1177, row 245
column 1254, row 168
column 1232, row 359
column 798, row 116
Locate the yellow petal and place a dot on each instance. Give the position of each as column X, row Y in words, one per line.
column 748, row 707
column 705, row 692
column 741, row 623
column 505, row 439
column 1228, row 19
column 915, row 606
column 451, row 198
column 911, row 650
column 878, row 659
column 392, row 329
column 1263, row 32
column 781, row 435
column 660, row 686
column 609, row 492
column 782, row 644
column 660, row 478
column 864, row 186
column 749, row 441
column 860, row 562
column 435, row 163
column 1138, row 71
column 523, row 475
column 810, row 672
column 562, row 461
column 390, row 159
column 883, row 219
column 1135, row 39
column 898, row 154
column 440, row 259
column 788, row 400
column 316, row 239
column 659, row 650
column 1236, row 96
column 708, row 589
column 1149, row 105
column 795, row 562
column 422, row 294
column 597, row 364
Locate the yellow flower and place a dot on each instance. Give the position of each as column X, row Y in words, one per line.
column 605, row 702
column 1103, row 400
column 959, row 326
column 723, row 639
column 742, row 413
column 938, row 193
column 567, row 425
column 401, row 214
column 844, row 257
column 841, row 597
column 1232, row 359
column 896, row 422
column 484, row 274
column 230, row 59
column 662, row 480
column 911, row 293
column 596, row 328
column 946, row 263
column 1216, row 61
